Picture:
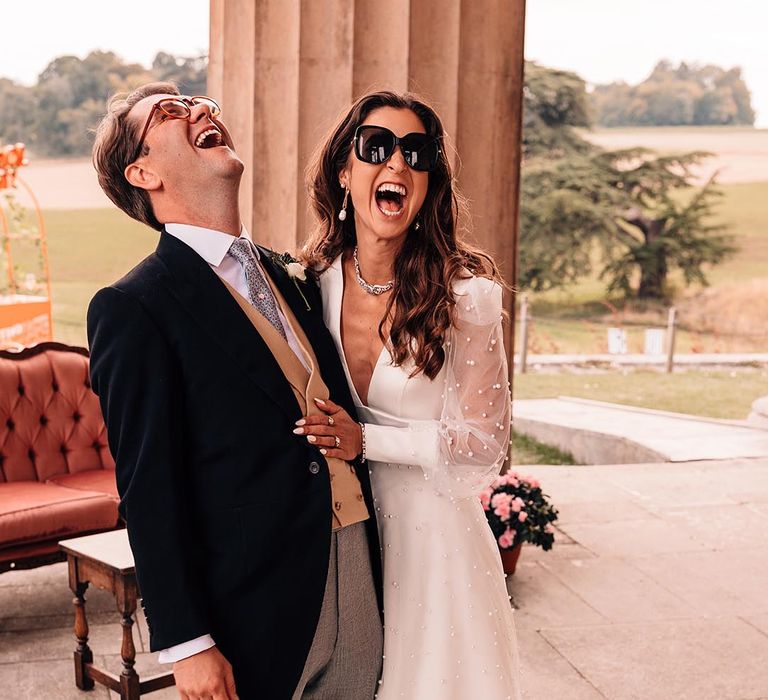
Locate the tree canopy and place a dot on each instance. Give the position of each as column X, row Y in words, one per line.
column 55, row 116
column 675, row 96
column 555, row 102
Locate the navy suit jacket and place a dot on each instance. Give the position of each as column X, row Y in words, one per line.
column 228, row 512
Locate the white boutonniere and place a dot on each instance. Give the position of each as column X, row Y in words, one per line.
column 295, row 271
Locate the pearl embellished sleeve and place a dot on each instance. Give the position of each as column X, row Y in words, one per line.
column 464, row 450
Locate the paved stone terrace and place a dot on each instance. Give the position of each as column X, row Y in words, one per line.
column 657, row 587
column 655, row 590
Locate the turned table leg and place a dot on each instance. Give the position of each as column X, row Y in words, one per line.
column 83, row 653
column 129, row 679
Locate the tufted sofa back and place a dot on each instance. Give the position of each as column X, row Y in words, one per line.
column 50, row 420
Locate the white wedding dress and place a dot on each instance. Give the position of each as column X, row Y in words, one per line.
column 432, row 446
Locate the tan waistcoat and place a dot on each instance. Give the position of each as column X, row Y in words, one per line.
column 348, row 505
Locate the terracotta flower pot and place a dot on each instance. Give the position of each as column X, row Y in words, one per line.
column 509, row 558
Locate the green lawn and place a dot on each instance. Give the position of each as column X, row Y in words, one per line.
column 87, row 250
column 745, row 208
column 717, row 394
column 526, row 450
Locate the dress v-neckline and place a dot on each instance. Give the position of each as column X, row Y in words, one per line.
column 343, row 353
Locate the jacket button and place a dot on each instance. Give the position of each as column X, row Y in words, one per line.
column 314, row 467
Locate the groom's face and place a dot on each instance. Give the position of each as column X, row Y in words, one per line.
column 181, row 153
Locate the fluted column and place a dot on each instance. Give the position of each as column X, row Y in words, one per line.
column 285, row 69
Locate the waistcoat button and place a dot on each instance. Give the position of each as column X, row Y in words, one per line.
column 314, row 467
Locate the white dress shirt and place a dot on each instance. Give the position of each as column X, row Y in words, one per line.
column 213, row 246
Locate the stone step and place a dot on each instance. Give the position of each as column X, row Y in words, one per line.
column 597, row 432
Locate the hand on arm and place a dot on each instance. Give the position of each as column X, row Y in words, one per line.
column 321, row 432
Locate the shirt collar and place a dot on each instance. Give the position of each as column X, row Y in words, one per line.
column 211, row 245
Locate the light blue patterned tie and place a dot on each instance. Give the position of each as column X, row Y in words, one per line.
column 259, row 293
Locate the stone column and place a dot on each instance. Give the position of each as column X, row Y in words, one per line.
column 284, row 70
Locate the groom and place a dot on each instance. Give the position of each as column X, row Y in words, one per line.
column 256, row 554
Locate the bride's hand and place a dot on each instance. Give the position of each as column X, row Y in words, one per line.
column 323, row 430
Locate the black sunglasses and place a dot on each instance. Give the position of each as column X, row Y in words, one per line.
column 375, row 145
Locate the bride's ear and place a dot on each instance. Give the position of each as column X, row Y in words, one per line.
column 343, row 179
column 142, row 177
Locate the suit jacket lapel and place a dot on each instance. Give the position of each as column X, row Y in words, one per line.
column 204, row 296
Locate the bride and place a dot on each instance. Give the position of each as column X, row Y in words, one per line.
column 416, row 315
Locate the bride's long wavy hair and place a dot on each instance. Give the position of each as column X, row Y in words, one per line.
column 432, row 258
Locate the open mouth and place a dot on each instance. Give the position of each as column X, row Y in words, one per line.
column 210, row 138
column 390, row 199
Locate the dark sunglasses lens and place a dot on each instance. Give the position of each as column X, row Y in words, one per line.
column 374, row 145
column 210, row 103
column 420, row 151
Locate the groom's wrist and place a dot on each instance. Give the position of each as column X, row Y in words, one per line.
column 186, row 649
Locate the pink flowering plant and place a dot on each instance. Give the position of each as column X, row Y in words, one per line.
column 518, row 511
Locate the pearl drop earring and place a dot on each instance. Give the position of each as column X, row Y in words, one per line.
column 343, row 212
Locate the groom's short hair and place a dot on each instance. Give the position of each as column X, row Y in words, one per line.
column 115, row 148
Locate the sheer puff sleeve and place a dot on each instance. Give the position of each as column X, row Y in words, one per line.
column 464, row 450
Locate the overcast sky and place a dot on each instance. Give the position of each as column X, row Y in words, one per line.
column 37, row 31
column 602, row 40
column 608, row 40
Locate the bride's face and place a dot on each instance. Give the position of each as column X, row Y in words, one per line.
column 387, row 196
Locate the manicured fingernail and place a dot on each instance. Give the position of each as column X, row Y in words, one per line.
column 300, row 422
column 299, row 431
column 311, row 438
column 323, row 451
column 320, row 401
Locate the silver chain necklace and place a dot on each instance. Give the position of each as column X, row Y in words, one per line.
column 370, row 288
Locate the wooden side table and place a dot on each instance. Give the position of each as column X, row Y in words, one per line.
column 105, row 560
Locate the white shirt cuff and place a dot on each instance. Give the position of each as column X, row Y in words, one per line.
column 186, row 649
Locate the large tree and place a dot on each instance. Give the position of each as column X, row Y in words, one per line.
column 630, row 215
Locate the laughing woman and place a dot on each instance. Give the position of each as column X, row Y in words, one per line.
column 417, row 318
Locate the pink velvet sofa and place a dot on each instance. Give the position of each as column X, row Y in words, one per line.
column 57, row 476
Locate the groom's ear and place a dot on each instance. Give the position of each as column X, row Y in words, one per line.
column 142, row 177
